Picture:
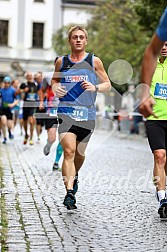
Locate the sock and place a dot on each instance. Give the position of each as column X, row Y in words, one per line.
column 59, row 152
column 161, row 194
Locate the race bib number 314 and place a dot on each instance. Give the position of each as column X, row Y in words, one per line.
column 79, row 114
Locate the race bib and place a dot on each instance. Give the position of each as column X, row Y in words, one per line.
column 160, row 91
column 31, row 96
column 79, row 113
column 53, row 112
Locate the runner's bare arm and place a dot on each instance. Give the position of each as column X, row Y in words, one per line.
column 105, row 84
column 148, row 68
column 41, row 93
column 55, row 82
column 149, row 63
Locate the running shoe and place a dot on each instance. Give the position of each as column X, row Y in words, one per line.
column 163, row 209
column 70, row 200
column 11, row 136
column 46, row 149
column 75, row 186
column 25, row 139
column 55, row 166
column 4, row 140
column 31, row 142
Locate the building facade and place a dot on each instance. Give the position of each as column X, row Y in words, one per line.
column 26, row 29
column 74, row 11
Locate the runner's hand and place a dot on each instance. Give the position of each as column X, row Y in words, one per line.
column 88, row 86
column 26, row 89
column 41, row 105
column 10, row 105
column 146, row 107
column 60, row 91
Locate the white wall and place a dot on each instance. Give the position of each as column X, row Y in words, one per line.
column 76, row 16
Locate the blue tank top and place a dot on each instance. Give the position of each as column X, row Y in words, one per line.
column 161, row 30
column 78, row 103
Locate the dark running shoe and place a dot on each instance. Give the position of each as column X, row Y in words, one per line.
column 163, row 209
column 69, row 200
column 11, row 136
column 55, row 166
column 75, row 186
column 4, row 140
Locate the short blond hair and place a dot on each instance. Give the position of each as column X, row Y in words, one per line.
column 76, row 28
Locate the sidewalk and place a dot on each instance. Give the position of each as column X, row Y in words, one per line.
column 111, row 214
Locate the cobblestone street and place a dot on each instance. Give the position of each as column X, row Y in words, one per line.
column 117, row 209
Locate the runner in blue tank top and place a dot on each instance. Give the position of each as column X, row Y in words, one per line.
column 77, row 78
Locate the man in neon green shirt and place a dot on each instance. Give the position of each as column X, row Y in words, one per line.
column 156, row 126
column 159, row 88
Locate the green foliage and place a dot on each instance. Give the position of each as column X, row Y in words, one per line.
column 3, row 222
column 60, row 40
column 149, row 12
column 119, row 29
column 114, row 34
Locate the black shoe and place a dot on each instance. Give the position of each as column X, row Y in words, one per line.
column 163, row 209
column 4, row 140
column 11, row 136
column 56, row 167
column 70, row 200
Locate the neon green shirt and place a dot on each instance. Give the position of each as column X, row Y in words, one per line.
column 159, row 91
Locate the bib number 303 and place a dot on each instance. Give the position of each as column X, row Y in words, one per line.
column 160, row 91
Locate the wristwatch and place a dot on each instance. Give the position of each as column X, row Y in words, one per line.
column 97, row 88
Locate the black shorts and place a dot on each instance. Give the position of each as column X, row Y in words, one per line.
column 51, row 122
column 28, row 111
column 1, row 112
column 7, row 112
column 40, row 119
column 82, row 129
column 157, row 134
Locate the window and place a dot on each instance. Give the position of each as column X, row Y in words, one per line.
column 38, row 32
column 3, row 32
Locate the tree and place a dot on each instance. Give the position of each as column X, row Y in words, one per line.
column 59, row 40
column 113, row 33
column 119, row 29
column 149, row 12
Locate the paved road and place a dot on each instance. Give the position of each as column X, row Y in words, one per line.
column 117, row 210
